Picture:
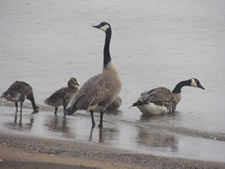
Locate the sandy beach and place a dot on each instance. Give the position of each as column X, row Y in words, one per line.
column 24, row 152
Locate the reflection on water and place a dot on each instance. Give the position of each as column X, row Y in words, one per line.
column 157, row 139
column 72, row 127
column 139, row 137
column 59, row 124
column 20, row 120
column 18, row 123
column 105, row 135
column 165, row 117
column 108, row 134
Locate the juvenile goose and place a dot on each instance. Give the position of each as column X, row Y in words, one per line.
column 115, row 104
column 101, row 90
column 161, row 100
column 18, row 92
column 63, row 96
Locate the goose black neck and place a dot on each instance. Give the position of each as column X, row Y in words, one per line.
column 107, row 57
column 179, row 86
column 33, row 103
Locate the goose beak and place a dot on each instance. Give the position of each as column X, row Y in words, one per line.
column 96, row 26
column 200, row 86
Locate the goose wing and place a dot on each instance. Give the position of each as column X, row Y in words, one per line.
column 96, row 91
column 158, row 96
column 20, row 87
column 56, row 99
column 60, row 96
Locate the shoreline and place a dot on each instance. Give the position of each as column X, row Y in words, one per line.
column 212, row 135
column 47, row 152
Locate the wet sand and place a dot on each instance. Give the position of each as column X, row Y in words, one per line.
column 24, row 152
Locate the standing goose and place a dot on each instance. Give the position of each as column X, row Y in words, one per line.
column 101, row 90
column 161, row 100
column 18, row 92
column 63, row 96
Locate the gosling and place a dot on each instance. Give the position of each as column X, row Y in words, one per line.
column 18, row 92
column 63, row 96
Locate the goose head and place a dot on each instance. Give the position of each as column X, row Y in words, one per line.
column 196, row 83
column 104, row 26
column 72, row 83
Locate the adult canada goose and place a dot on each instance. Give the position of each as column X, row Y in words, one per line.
column 161, row 100
column 63, row 96
column 101, row 90
column 115, row 104
column 18, row 92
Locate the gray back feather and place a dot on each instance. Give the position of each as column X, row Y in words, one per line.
column 61, row 96
column 160, row 96
column 19, row 87
column 98, row 90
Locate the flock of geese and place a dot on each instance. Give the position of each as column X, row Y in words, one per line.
column 100, row 92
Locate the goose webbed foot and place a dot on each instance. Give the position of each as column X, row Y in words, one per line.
column 100, row 126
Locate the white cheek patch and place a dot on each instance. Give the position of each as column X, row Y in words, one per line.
column 104, row 28
column 193, row 83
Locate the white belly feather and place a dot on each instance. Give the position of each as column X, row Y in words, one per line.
column 152, row 109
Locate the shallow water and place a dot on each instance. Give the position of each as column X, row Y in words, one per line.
column 156, row 43
column 133, row 137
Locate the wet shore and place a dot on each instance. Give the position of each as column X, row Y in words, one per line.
column 46, row 153
column 140, row 137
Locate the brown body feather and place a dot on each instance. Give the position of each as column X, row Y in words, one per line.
column 162, row 96
column 18, row 92
column 99, row 91
column 63, row 96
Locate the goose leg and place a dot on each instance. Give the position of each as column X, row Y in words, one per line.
column 92, row 119
column 64, row 108
column 101, row 119
column 56, row 109
column 21, row 107
column 16, row 104
column 64, row 105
